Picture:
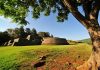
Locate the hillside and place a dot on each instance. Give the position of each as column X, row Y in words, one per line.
column 88, row 41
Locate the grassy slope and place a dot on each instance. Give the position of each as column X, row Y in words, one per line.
column 12, row 57
column 88, row 41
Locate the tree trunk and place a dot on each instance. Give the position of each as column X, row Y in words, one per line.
column 91, row 23
column 94, row 61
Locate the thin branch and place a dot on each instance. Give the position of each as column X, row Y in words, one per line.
column 87, row 6
column 76, row 13
column 95, row 10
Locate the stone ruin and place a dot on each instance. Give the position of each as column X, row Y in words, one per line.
column 29, row 40
column 34, row 40
column 20, row 42
column 5, row 44
column 10, row 42
column 54, row 41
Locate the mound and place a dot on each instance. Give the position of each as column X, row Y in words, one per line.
column 54, row 41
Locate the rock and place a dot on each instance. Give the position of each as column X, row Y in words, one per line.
column 10, row 42
column 16, row 40
column 28, row 37
column 6, row 43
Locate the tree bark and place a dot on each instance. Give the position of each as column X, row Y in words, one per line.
column 93, row 28
column 94, row 61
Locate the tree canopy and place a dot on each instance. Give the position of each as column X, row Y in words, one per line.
column 18, row 9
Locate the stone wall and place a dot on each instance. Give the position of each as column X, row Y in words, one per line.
column 54, row 41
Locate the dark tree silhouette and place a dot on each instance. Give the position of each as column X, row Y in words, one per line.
column 28, row 31
column 44, row 34
column 33, row 31
column 22, row 32
column 4, row 37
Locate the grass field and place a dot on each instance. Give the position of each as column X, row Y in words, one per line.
column 57, row 57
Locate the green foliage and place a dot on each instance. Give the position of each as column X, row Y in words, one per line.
column 21, row 32
column 18, row 9
column 15, row 9
column 17, row 32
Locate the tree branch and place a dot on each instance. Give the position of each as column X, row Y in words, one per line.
column 87, row 6
column 76, row 13
column 95, row 10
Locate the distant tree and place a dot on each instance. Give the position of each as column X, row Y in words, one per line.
column 22, row 32
column 16, row 33
column 44, row 34
column 28, row 31
column 11, row 32
column 37, row 39
column 33, row 31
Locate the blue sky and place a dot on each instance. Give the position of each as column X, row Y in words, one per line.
column 70, row 29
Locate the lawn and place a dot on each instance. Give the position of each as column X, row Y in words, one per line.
column 25, row 57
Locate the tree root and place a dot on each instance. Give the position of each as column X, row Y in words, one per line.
column 85, row 66
column 91, row 64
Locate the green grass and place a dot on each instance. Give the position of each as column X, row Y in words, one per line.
column 12, row 57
